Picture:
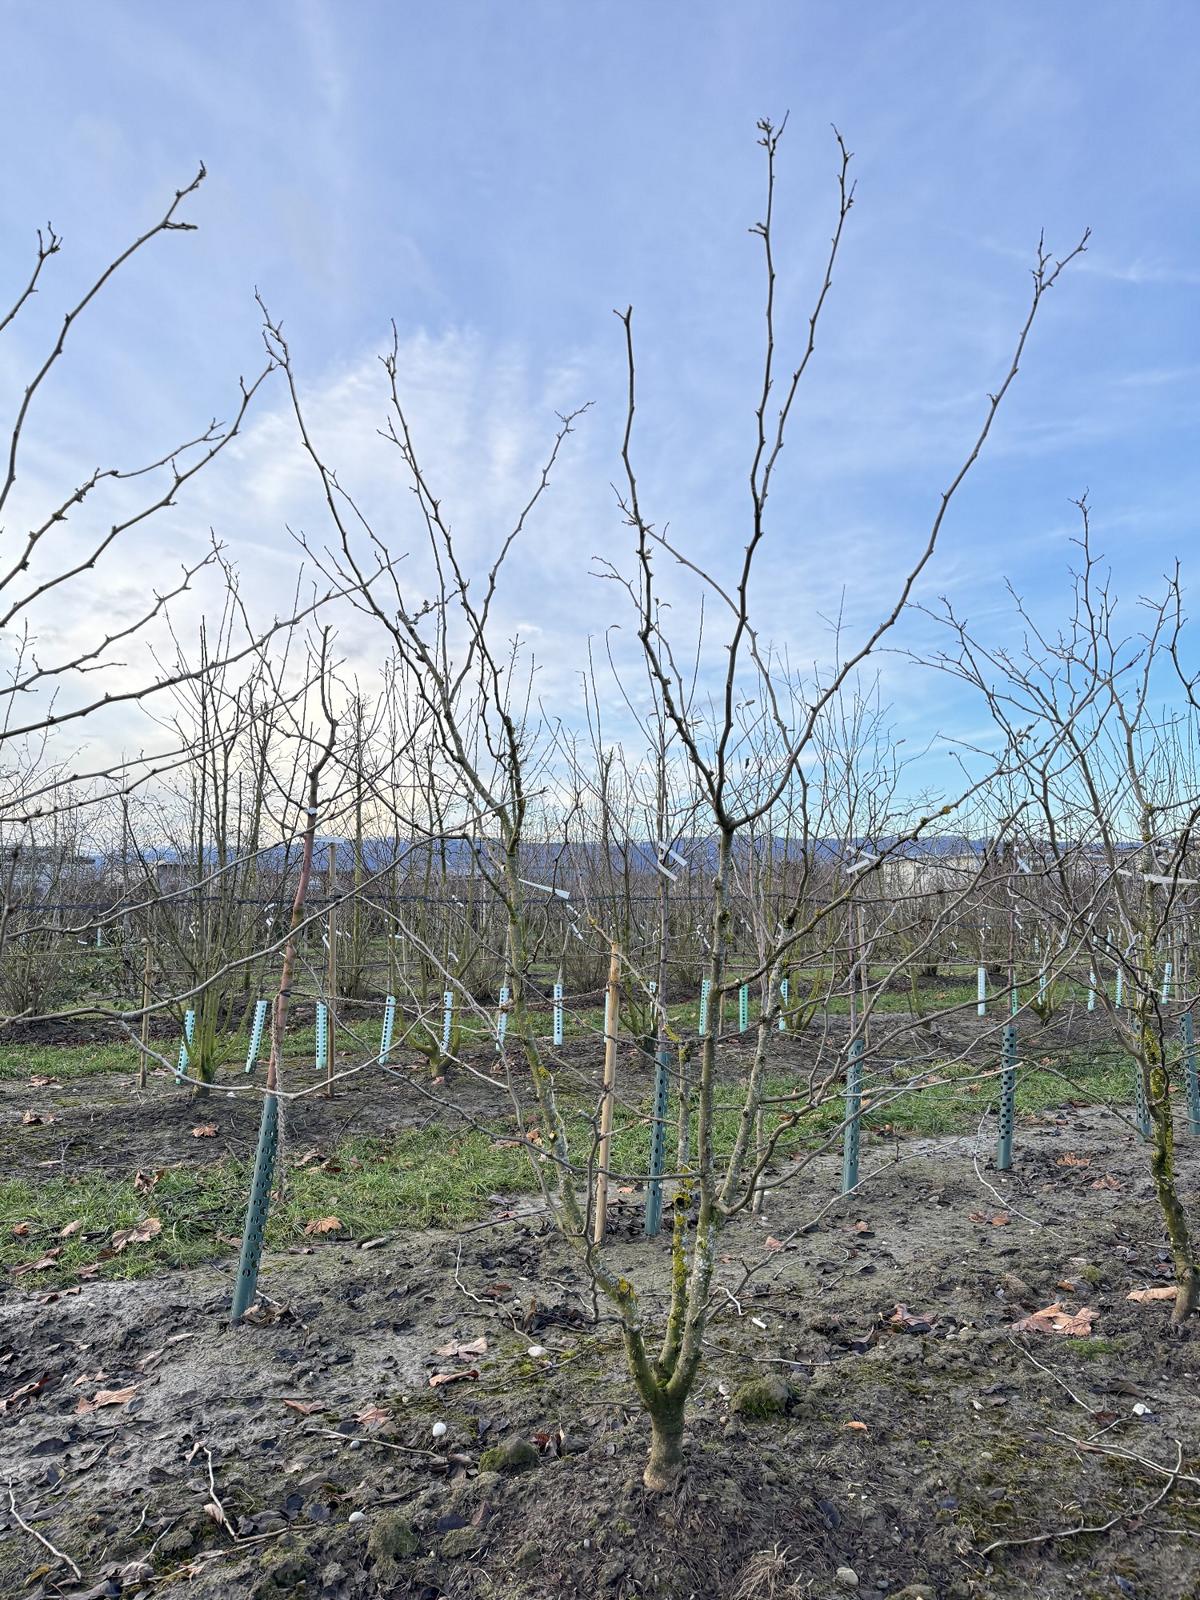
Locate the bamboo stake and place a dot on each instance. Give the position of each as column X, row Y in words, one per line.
column 608, row 1096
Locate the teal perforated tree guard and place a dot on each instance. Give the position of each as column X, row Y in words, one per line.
column 558, row 1013
column 743, row 1007
column 658, row 1140
column 1008, row 1097
column 1188, row 1036
column 783, row 1000
column 502, row 1018
column 851, row 1132
column 189, row 1033
column 705, row 991
column 256, row 1033
column 447, row 1020
column 322, row 1036
column 389, row 1028
column 256, row 1211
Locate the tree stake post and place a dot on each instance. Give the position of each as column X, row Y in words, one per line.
column 852, row 1131
column 612, row 996
column 1141, row 1106
column 145, row 1017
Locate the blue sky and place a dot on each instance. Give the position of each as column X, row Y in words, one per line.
column 498, row 178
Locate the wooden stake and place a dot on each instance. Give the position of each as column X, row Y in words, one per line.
column 145, row 1016
column 611, row 1018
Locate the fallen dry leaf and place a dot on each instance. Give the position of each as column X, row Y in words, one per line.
column 372, row 1416
column 141, row 1234
column 1106, row 1182
column 144, row 1182
column 204, row 1130
column 40, row 1265
column 323, row 1225
column 1151, row 1294
column 1072, row 1160
column 306, row 1408
column 105, row 1397
column 464, row 1352
column 31, row 1117
column 71, row 1227
column 34, row 1386
column 1054, row 1319
column 773, row 1243
column 902, row 1317
column 999, row 1219
column 437, row 1379
column 857, row 1427
column 21, row 1229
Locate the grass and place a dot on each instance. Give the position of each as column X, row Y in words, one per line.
column 442, row 1176
column 432, row 1177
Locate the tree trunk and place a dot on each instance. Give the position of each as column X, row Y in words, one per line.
column 1162, row 1167
column 664, row 1467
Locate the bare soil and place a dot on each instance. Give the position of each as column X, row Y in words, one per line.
column 906, row 1446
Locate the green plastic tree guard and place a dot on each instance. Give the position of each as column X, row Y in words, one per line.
column 189, row 1033
column 322, row 1035
column 256, row 1033
column 1008, row 1097
column 389, row 1028
column 256, row 1210
column 658, row 1142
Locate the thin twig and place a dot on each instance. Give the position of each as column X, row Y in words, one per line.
column 58, row 1554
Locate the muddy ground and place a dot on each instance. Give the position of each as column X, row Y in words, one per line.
column 907, row 1444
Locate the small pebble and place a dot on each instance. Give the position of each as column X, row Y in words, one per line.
column 357, row 1516
column 537, row 1350
column 846, row 1578
column 439, row 1428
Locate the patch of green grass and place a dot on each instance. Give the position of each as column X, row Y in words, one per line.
column 1092, row 1349
column 430, row 1177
